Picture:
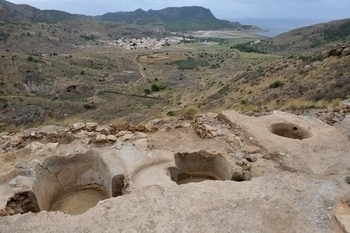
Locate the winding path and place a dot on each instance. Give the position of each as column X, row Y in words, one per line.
column 140, row 68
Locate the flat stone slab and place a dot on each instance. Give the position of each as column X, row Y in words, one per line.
column 324, row 146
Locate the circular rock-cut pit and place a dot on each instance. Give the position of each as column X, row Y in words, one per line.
column 74, row 184
column 200, row 166
column 79, row 200
column 290, row 130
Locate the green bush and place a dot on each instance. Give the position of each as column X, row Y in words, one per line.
column 171, row 113
column 247, row 48
column 277, row 84
column 30, row 58
column 158, row 87
column 190, row 64
column 88, row 106
column 147, row 91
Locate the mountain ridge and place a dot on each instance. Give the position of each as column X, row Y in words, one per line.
column 174, row 18
column 171, row 18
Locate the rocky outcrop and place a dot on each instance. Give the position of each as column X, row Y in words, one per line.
column 333, row 115
column 340, row 51
column 202, row 175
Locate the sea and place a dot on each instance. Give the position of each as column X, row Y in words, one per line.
column 274, row 27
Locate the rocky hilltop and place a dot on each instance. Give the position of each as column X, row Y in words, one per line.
column 175, row 19
column 172, row 18
column 16, row 12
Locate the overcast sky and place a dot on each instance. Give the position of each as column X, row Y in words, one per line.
column 223, row 9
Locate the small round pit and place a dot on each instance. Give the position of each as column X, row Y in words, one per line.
column 290, row 130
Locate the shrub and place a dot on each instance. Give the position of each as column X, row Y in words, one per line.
column 30, row 58
column 189, row 112
column 147, row 91
column 277, row 84
column 88, row 106
column 171, row 113
column 158, row 87
column 247, row 48
column 190, row 64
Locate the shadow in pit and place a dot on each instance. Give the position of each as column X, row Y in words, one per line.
column 200, row 166
column 69, row 184
column 289, row 130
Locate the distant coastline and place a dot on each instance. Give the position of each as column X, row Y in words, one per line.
column 274, row 27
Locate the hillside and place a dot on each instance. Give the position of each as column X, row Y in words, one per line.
column 17, row 12
column 77, row 67
column 307, row 40
column 175, row 19
column 27, row 29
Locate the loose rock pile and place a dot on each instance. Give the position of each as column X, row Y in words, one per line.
column 89, row 132
column 333, row 115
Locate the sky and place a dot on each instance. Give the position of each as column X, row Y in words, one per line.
column 222, row 9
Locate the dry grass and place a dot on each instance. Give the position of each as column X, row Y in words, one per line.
column 297, row 104
column 71, row 120
column 189, row 112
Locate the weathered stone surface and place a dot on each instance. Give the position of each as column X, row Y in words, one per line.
column 126, row 137
column 139, row 135
column 344, row 221
column 17, row 141
column 101, row 137
column 141, row 144
column 238, row 174
column 311, row 149
column 251, row 149
column 91, row 126
column 112, row 138
column 244, row 164
column 105, row 129
column 132, row 128
column 151, row 128
column 35, row 146
column 178, row 126
column 5, row 145
column 145, row 166
column 251, row 158
column 121, row 127
column 140, row 127
column 122, row 133
column 78, row 126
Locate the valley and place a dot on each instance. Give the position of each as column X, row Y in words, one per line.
column 171, row 121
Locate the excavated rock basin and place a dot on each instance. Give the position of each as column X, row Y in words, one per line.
column 78, row 201
column 200, row 166
column 290, row 130
column 75, row 184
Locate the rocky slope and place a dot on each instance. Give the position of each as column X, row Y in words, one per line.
column 308, row 40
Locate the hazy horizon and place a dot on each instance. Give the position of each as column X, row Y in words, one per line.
column 222, row 9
